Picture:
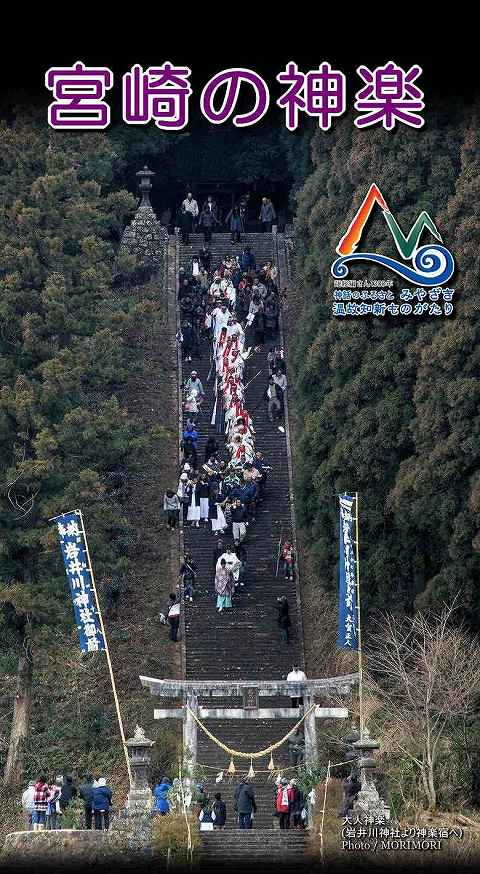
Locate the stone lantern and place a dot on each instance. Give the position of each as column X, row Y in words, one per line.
column 139, row 752
column 368, row 801
column 364, row 747
column 351, row 755
column 145, row 184
column 145, row 237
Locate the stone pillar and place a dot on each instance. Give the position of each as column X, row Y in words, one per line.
column 140, row 796
column 311, row 752
column 190, row 733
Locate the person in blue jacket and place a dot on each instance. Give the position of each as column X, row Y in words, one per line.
column 191, row 433
column 101, row 804
column 160, row 794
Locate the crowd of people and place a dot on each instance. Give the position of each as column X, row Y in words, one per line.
column 46, row 801
column 209, row 217
column 231, row 309
column 289, row 804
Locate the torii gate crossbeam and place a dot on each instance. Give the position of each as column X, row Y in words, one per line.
column 250, row 691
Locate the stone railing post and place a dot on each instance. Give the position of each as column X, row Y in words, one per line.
column 190, row 733
column 311, row 751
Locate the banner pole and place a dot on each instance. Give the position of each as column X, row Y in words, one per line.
column 107, row 652
column 327, row 778
column 279, row 551
column 359, row 629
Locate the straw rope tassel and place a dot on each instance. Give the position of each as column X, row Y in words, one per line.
column 238, row 753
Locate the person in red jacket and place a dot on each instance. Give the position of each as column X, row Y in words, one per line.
column 288, row 559
column 40, row 804
column 285, row 795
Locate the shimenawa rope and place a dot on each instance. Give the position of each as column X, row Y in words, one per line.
column 260, row 753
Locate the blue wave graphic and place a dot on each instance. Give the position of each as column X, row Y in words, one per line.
column 433, row 265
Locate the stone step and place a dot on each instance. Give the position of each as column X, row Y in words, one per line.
column 244, row 643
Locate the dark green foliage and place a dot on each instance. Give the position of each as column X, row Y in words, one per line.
column 62, row 429
column 390, row 407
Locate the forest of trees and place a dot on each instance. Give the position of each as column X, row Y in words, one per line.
column 386, row 407
column 63, row 433
column 390, row 407
column 65, row 440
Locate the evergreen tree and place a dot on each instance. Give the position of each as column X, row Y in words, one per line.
column 61, row 426
column 356, row 378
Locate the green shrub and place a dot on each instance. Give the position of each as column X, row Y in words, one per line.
column 73, row 815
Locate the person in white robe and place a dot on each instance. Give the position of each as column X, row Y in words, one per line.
column 193, row 514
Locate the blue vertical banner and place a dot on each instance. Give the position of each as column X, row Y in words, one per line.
column 79, row 575
column 347, row 594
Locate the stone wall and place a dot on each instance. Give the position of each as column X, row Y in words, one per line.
column 146, row 239
column 128, row 839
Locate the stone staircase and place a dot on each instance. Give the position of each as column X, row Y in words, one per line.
column 244, row 643
column 222, row 849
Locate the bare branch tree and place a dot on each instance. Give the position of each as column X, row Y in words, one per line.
column 425, row 673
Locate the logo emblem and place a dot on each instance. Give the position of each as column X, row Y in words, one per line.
column 431, row 265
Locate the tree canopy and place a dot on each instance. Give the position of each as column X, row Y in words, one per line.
column 62, row 429
column 389, row 408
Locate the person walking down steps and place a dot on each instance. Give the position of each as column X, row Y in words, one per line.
column 296, row 676
column 173, row 616
column 224, row 586
column 283, row 618
column 188, row 576
column 171, row 508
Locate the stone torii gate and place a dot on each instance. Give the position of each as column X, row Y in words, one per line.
column 249, row 691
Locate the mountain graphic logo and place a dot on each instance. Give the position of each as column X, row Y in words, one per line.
column 431, row 265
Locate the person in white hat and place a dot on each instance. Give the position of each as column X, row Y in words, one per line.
column 182, row 493
column 194, row 384
column 193, row 512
